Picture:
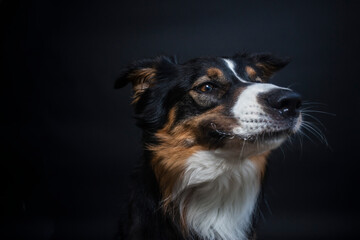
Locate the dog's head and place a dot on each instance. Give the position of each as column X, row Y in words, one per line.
column 218, row 103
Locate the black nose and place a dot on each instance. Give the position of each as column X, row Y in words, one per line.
column 286, row 101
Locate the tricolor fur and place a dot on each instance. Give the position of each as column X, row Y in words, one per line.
column 208, row 125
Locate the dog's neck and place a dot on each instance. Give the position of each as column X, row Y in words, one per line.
column 217, row 195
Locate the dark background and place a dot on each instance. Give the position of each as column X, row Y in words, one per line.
column 69, row 141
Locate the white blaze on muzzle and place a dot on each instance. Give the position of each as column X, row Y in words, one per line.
column 231, row 66
column 249, row 112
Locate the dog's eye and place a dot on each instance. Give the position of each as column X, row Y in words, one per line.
column 205, row 88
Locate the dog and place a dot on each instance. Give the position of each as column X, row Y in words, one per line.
column 208, row 126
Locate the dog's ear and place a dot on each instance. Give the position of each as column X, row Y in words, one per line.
column 143, row 74
column 262, row 66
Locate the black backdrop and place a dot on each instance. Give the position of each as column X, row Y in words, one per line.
column 69, row 141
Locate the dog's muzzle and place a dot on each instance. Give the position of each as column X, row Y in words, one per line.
column 266, row 110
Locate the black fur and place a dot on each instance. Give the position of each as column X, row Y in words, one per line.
column 171, row 84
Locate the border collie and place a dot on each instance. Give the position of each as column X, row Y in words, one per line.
column 208, row 126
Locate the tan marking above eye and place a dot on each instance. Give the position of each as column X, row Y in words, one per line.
column 251, row 72
column 218, row 82
column 214, row 73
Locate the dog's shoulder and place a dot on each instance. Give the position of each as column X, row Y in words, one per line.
column 145, row 218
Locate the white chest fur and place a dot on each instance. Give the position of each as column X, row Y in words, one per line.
column 217, row 195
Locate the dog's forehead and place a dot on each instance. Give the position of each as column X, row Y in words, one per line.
column 217, row 67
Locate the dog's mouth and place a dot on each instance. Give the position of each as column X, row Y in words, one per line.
column 259, row 137
column 267, row 129
column 273, row 130
column 262, row 136
column 266, row 136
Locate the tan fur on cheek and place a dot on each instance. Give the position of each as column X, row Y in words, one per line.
column 169, row 160
column 176, row 144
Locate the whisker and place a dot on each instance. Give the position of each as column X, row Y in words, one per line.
column 315, row 118
column 242, row 149
column 291, row 85
column 316, row 111
column 283, row 153
column 300, row 137
column 313, row 126
column 268, row 206
column 290, row 140
column 315, row 131
column 313, row 103
column 307, row 136
column 262, row 215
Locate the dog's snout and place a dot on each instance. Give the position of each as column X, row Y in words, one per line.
column 285, row 101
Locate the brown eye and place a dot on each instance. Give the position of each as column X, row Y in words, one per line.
column 208, row 87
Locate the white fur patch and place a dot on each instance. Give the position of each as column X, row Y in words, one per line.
column 231, row 66
column 217, row 194
column 251, row 117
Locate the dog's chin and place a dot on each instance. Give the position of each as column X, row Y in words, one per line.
column 269, row 140
column 251, row 144
column 270, row 136
column 257, row 143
